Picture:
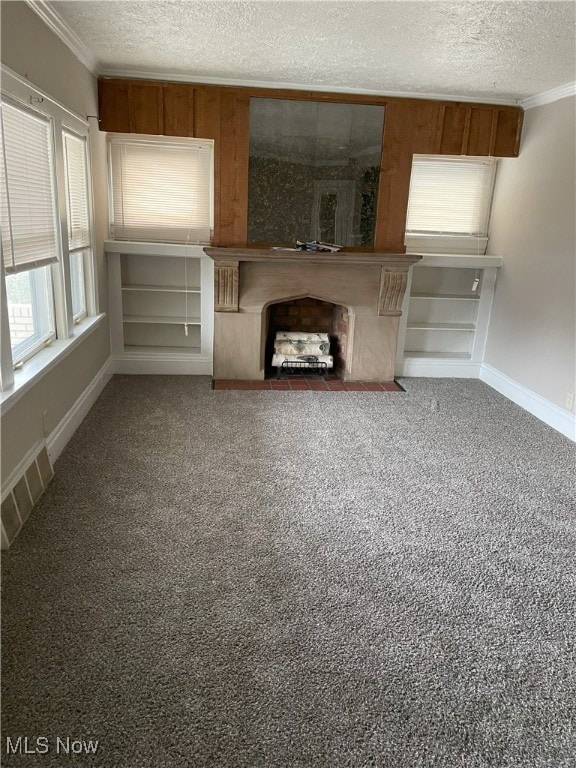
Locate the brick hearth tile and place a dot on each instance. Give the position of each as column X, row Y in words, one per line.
column 279, row 385
column 336, row 386
column 354, row 386
column 298, row 385
column 391, row 386
column 373, row 386
column 317, row 385
column 259, row 385
column 222, row 384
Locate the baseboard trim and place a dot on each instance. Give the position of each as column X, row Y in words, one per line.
column 158, row 366
column 438, row 369
column 60, row 436
column 558, row 418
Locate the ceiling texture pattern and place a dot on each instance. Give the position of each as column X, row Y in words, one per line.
column 471, row 49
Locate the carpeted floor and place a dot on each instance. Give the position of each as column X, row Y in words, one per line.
column 298, row 580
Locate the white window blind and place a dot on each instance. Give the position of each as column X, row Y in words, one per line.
column 76, row 174
column 450, row 195
column 27, row 191
column 161, row 189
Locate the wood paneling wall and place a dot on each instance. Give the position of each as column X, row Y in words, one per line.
column 411, row 126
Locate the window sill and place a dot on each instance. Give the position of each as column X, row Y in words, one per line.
column 459, row 244
column 43, row 362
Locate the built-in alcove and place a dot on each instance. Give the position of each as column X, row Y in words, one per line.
column 308, row 315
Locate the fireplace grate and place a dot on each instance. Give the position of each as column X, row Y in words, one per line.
column 317, row 368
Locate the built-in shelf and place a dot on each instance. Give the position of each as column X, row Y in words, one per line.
column 161, row 320
column 162, row 308
column 140, row 350
column 160, row 288
column 447, row 296
column 419, row 326
column 445, row 315
column 439, row 355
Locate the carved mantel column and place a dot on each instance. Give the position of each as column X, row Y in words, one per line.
column 393, row 282
column 226, row 286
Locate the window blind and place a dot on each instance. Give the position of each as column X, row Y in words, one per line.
column 450, row 195
column 27, row 190
column 76, row 174
column 161, row 190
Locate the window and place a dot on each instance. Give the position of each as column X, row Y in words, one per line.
column 78, row 215
column 161, row 189
column 449, row 203
column 46, row 222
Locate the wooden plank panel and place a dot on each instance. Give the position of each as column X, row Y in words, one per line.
column 146, row 108
column 234, row 142
column 207, row 126
column 508, row 129
column 178, row 104
column 394, row 185
column 453, row 129
column 113, row 105
column 410, row 128
column 426, row 126
column 480, row 135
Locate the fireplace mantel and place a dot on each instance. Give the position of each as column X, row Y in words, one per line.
column 312, row 257
column 248, row 280
column 393, row 271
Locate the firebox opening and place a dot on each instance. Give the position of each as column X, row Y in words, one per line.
column 309, row 315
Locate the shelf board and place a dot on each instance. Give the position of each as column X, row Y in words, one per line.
column 161, row 320
column 409, row 353
column 449, row 296
column 160, row 288
column 417, row 326
column 135, row 350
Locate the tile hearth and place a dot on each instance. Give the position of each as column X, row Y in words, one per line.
column 301, row 383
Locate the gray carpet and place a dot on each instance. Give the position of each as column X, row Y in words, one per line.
column 298, row 580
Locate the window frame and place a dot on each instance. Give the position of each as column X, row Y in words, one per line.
column 26, row 96
column 117, row 140
column 430, row 241
column 27, row 348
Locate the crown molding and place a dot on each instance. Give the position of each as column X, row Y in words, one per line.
column 56, row 23
column 233, row 82
column 547, row 97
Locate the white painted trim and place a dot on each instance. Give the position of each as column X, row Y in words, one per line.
column 135, row 74
column 23, row 91
column 547, row 97
column 59, row 437
column 557, row 418
column 155, row 249
column 20, row 469
column 56, row 23
column 156, row 365
column 483, row 313
column 463, row 260
column 435, row 368
column 43, row 362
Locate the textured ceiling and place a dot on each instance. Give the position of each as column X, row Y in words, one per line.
column 472, row 49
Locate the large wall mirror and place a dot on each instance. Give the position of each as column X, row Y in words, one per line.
column 314, row 171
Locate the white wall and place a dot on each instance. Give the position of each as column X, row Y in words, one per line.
column 532, row 338
column 29, row 48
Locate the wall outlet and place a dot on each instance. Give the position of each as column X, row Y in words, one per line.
column 569, row 400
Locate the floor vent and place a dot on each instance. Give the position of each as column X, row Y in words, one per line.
column 23, row 495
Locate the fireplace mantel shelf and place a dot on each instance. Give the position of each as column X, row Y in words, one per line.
column 312, row 257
